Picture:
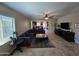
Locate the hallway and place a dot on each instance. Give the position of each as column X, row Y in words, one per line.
column 62, row 48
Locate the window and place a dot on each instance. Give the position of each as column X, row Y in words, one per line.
column 7, row 27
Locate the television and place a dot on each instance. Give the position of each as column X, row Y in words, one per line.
column 65, row 25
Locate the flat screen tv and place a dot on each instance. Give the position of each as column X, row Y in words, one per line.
column 65, row 25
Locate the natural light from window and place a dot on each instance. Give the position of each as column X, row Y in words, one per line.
column 7, row 28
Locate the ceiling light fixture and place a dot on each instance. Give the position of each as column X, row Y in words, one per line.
column 46, row 17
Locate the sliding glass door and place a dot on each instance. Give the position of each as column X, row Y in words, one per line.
column 7, row 27
column 1, row 33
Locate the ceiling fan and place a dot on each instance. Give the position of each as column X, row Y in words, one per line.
column 48, row 15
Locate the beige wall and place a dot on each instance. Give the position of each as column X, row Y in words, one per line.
column 73, row 18
column 22, row 23
column 52, row 24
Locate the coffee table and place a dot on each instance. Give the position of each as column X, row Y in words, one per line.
column 41, row 37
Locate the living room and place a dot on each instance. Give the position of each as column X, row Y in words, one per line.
column 41, row 28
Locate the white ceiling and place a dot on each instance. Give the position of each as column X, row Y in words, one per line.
column 37, row 9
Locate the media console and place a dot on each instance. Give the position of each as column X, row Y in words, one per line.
column 67, row 35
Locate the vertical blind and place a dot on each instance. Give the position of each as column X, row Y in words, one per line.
column 7, row 27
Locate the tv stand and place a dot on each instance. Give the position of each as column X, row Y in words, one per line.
column 67, row 35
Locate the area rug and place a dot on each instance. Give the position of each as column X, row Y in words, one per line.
column 42, row 44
